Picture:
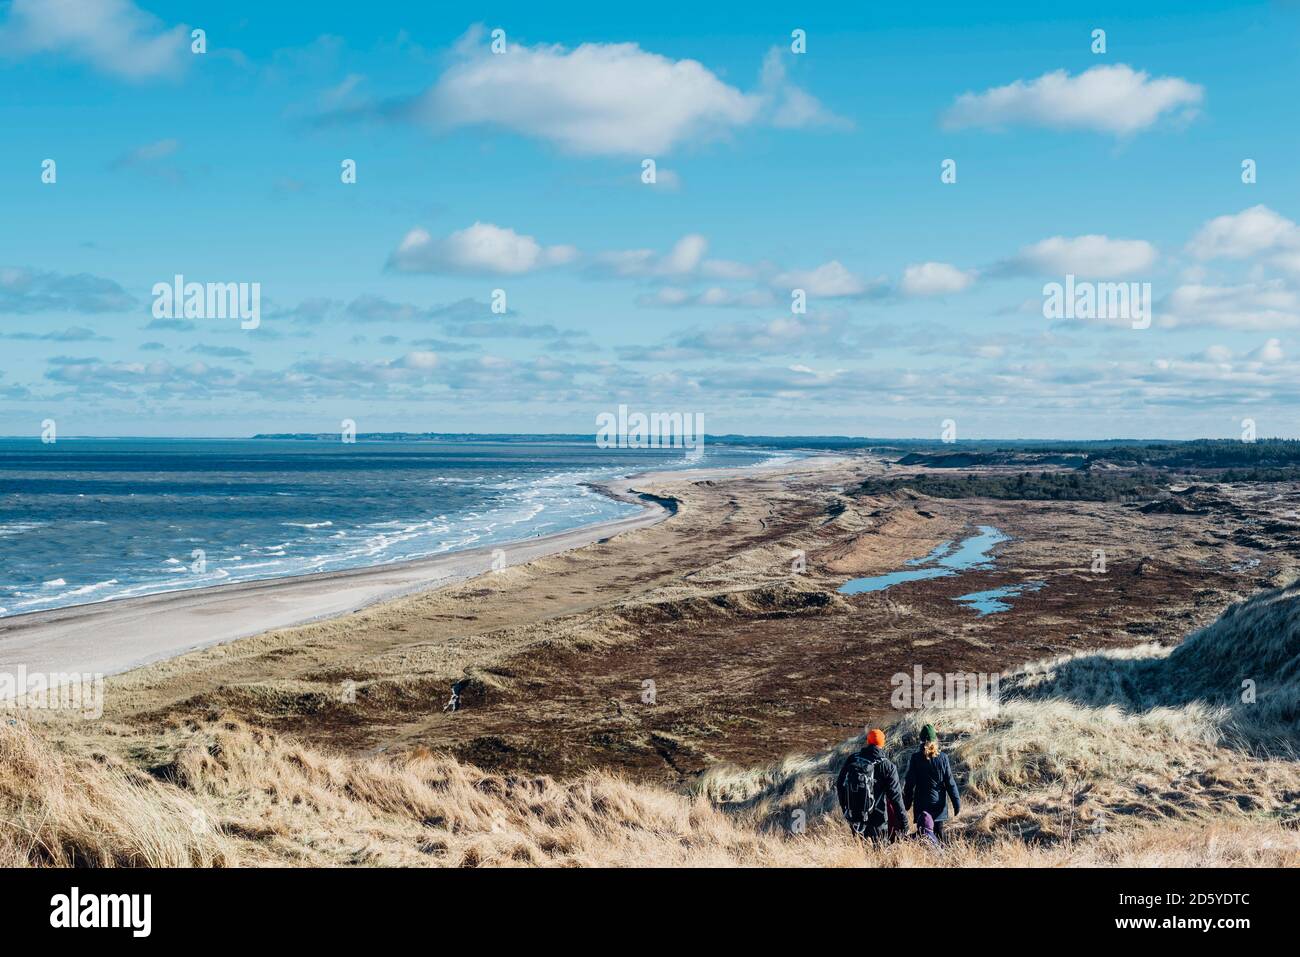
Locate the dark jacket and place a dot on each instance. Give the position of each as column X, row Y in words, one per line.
column 930, row 786
column 887, row 790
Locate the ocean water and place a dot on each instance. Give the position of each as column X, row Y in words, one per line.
column 85, row 520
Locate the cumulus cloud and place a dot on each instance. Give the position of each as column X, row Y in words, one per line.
column 1251, row 306
column 1084, row 256
column 1108, row 99
column 1245, row 234
column 686, row 258
column 607, row 99
column 1288, row 261
column 935, row 279
column 114, row 36
column 481, row 249
column 92, row 375
column 1270, row 351
column 27, row 291
column 598, row 98
column 421, row 359
column 830, row 280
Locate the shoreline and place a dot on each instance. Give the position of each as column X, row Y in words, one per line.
column 118, row 635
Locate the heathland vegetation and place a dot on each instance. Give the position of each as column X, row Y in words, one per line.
column 1060, row 486
column 1197, row 456
column 1151, row 756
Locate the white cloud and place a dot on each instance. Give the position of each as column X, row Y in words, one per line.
column 676, row 297
column 481, row 249
column 830, row 281
column 786, row 336
column 685, row 259
column 26, row 291
column 1086, row 256
column 671, row 296
column 1288, row 261
column 1271, row 351
column 114, row 36
column 727, row 269
column 935, row 279
column 787, row 106
column 685, row 256
column 599, row 98
column 1109, row 99
column 611, row 99
column 1255, row 305
column 1245, row 234
column 420, row 359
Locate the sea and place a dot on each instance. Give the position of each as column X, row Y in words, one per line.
column 91, row 519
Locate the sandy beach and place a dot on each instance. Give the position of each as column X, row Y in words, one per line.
column 115, row 636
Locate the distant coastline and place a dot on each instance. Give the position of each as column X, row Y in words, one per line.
column 92, row 521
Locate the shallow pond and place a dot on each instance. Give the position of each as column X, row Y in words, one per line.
column 991, row 601
column 947, row 560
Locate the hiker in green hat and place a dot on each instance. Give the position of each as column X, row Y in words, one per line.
column 930, row 785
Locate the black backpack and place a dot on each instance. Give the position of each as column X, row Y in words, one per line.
column 858, row 798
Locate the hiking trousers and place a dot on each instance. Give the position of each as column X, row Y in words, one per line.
column 878, row 834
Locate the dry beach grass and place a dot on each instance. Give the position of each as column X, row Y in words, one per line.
column 1144, row 758
column 1124, row 743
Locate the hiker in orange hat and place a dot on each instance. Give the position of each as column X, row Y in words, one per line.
column 869, row 792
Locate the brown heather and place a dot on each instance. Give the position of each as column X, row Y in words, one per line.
column 1146, row 757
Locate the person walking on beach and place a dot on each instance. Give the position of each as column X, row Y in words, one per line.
column 869, row 792
column 930, row 784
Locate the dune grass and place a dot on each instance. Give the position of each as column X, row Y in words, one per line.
column 1147, row 757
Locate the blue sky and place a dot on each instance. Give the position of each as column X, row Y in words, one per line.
column 521, row 171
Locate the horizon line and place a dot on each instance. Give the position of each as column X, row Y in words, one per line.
column 295, row 436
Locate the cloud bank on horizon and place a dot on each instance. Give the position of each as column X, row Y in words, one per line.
column 804, row 227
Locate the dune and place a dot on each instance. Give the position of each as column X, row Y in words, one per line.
column 1151, row 756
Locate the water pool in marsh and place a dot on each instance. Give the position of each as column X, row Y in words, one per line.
column 945, row 561
column 994, row 600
